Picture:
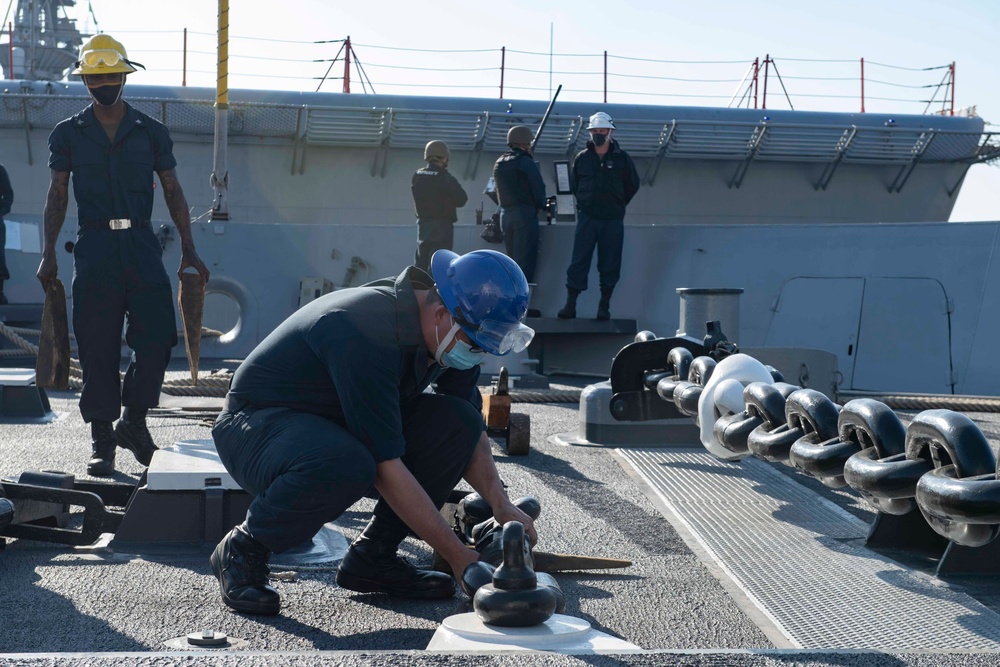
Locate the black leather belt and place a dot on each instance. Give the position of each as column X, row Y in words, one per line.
column 117, row 224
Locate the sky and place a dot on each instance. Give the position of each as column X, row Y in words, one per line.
column 658, row 52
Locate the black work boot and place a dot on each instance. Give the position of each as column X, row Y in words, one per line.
column 372, row 566
column 132, row 434
column 102, row 437
column 3, row 298
column 604, row 305
column 568, row 311
column 240, row 564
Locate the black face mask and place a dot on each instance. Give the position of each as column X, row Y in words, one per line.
column 106, row 95
column 599, row 139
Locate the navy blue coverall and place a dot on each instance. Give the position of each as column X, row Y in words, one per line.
column 337, row 388
column 436, row 196
column 6, row 199
column 118, row 274
column 603, row 187
column 521, row 193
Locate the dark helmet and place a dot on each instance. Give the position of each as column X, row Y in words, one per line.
column 519, row 134
column 485, row 291
column 437, row 149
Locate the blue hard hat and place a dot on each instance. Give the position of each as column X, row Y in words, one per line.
column 485, row 291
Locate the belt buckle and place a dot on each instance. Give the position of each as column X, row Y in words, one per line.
column 120, row 223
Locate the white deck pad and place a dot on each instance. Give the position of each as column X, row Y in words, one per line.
column 799, row 558
column 188, row 465
column 17, row 377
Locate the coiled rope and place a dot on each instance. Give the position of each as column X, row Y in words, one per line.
column 14, row 335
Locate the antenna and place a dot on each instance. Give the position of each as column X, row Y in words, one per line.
column 348, row 51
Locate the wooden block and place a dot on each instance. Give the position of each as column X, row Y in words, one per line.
column 496, row 410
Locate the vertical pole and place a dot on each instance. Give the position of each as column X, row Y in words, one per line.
column 605, row 77
column 10, row 50
column 184, row 67
column 347, row 65
column 220, row 170
column 862, row 85
column 767, row 62
column 756, row 80
column 503, row 61
column 952, row 88
column 551, row 38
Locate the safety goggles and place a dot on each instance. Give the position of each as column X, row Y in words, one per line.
column 107, row 57
column 503, row 337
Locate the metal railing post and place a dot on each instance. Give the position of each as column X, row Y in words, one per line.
column 862, row 85
column 503, row 63
column 952, row 68
column 605, row 77
column 347, row 65
column 767, row 62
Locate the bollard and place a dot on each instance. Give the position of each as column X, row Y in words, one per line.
column 698, row 306
column 517, row 597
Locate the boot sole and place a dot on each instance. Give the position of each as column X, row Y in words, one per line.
column 127, row 446
column 258, row 608
column 361, row 585
column 100, row 472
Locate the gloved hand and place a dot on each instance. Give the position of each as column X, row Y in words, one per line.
column 476, row 576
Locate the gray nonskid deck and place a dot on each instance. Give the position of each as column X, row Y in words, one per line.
column 797, row 556
column 61, row 600
column 65, row 607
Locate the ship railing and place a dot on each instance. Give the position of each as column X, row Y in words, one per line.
column 478, row 132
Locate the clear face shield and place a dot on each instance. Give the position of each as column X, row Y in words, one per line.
column 504, row 337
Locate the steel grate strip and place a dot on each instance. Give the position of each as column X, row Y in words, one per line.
column 782, row 544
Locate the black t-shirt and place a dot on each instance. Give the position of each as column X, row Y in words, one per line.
column 354, row 356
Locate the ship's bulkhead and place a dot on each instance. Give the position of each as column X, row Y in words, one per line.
column 886, row 332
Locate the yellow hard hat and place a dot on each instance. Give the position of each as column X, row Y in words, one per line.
column 103, row 54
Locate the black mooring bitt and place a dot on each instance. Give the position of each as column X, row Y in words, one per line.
column 631, row 400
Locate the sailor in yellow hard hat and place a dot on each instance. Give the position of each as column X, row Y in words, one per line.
column 103, row 65
column 112, row 151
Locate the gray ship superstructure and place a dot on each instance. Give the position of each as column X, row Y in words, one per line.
column 831, row 223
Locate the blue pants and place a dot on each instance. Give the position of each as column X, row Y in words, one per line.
column 305, row 470
column 4, row 273
column 608, row 236
column 432, row 235
column 118, row 279
column 520, row 237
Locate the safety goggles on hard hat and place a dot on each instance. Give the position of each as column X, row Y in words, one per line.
column 107, row 57
column 503, row 337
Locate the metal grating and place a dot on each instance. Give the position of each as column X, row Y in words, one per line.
column 782, row 544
